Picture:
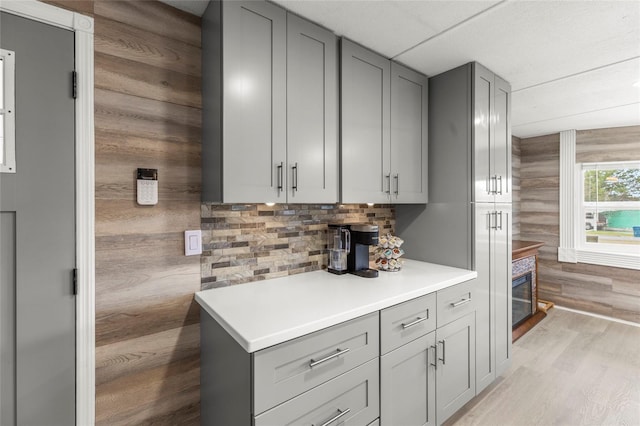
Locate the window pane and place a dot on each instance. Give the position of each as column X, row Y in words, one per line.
column 612, row 203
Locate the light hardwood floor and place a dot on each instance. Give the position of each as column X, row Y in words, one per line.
column 571, row 369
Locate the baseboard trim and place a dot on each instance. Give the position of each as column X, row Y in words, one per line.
column 621, row 321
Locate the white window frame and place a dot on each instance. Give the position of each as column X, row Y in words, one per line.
column 572, row 249
column 8, row 112
column 82, row 26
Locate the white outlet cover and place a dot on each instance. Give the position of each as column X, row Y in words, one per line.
column 192, row 242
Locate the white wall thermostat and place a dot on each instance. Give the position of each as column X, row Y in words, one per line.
column 147, row 187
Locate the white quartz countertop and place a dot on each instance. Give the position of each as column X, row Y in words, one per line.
column 265, row 313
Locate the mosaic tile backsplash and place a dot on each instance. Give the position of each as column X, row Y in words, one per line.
column 252, row 242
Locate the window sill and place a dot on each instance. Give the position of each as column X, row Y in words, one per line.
column 617, row 260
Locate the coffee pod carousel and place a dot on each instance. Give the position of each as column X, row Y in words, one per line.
column 388, row 253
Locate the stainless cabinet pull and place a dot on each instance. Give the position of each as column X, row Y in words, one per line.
column 443, row 351
column 280, row 167
column 499, row 227
column 336, row 417
column 313, row 363
column 435, row 356
column 493, row 186
column 417, row 321
column 295, row 178
column 459, row 303
column 493, row 222
column 500, row 179
column 388, row 178
column 397, row 179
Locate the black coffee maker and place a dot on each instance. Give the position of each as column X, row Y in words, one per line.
column 362, row 236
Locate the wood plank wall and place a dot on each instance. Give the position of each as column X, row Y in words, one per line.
column 148, row 114
column 515, row 187
column 603, row 290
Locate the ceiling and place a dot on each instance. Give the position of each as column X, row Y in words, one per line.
column 571, row 64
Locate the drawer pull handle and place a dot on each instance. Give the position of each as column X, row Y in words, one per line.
column 415, row 322
column 461, row 302
column 313, row 363
column 336, row 417
column 443, row 352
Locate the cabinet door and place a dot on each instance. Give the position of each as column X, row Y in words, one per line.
column 502, row 285
column 312, row 112
column 502, row 140
column 455, row 372
column 254, row 105
column 407, row 384
column 482, row 125
column 409, row 135
column 365, row 87
column 485, row 221
column 351, row 399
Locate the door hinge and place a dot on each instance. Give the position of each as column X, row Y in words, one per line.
column 74, row 79
column 75, row 281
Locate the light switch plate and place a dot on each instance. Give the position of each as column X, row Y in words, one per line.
column 192, row 242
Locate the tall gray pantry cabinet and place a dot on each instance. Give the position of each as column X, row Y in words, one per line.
column 270, row 106
column 467, row 222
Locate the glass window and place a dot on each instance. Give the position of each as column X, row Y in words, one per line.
column 611, row 206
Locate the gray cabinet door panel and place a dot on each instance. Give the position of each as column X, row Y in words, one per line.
column 502, row 277
column 284, row 371
column 407, row 321
column 254, row 106
column 455, row 375
column 485, row 289
column 483, row 134
column 502, row 140
column 407, row 384
column 356, row 391
column 365, row 127
column 409, row 135
column 312, row 112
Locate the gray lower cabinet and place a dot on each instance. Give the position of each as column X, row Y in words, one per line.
column 408, row 384
column 349, row 399
column 393, row 367
column 455, row 366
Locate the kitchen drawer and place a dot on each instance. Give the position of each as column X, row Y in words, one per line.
column 455, row 302
column 291, row 368
column 355, row 393
column 407, row 321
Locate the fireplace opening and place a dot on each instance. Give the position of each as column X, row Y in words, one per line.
column 522, row 299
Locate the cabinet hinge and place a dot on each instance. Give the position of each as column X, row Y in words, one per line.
column 75, row 281
column 74, row 81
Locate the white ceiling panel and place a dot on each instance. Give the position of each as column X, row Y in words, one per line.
column 612, row 117
column 529, row 42
column 388, row 27
column 596, row 90
column 571, row 63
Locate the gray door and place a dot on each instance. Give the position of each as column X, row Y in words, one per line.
column 502, row 284
column 37, row 206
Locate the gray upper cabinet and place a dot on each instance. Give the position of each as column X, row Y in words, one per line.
column 269, row 106
column 491, row 136
column 366, row 136
column 409, row 135
column 312, row 113
column 384, row 129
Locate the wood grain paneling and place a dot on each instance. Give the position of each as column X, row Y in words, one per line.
column 147, row 105
column 515, row 187
column 153, row 17
column 599, row 289
column 130, row 42
column 129, row 77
